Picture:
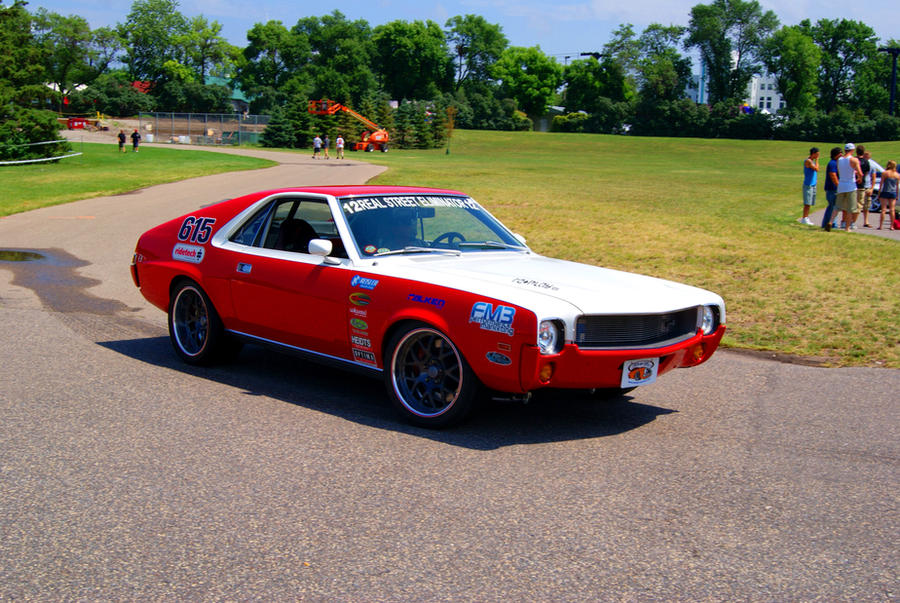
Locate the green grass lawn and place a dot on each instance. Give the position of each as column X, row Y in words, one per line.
column 718, row 214
column 102, row 170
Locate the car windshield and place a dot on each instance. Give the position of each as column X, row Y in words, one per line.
column 395, row 224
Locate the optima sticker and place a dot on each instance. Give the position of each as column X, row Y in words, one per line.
column 498, row 320
column 188, row 253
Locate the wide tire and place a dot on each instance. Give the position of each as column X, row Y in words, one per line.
column 195, row 328
column 427, row 378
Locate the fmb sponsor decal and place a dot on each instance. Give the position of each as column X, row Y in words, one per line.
column 360, row 299
column 363, row 283
column 489, row 318
column 188, row 253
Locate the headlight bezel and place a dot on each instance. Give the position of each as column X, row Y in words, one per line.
column 550, row 336
column 708, row 320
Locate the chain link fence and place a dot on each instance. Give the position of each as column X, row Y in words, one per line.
column 202, row 128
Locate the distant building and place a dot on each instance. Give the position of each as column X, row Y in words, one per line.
column 763, row 95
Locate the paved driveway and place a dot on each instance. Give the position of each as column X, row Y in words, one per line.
column 127, row 475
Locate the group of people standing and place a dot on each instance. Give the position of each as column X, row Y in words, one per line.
column 321, row 146
column 850, row 178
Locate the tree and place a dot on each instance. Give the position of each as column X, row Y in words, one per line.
column 205, row 50
column 477, row 45
column 151, row 32
column 21, row 86
column 793, row 58
column 589, row 80
column 412, row 59
column 663, row 73
column 728, row 34
column 340, row 55
column 66, row 45
column 273, row 57
column 529, row 76
column 846, row 45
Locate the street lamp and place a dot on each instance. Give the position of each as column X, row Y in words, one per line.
column 893, row 51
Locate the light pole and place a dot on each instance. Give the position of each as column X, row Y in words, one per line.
column 893, row 51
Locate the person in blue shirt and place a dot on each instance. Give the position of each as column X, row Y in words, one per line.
column 831, row 184
column 810, row 179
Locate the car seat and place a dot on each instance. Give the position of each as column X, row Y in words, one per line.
column 295, row 235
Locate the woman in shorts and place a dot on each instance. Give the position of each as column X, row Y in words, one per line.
column 887, row 193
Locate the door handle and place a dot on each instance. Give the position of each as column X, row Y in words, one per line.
column 244, row 268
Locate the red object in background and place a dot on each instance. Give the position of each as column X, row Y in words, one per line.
column 76, row 123
column 66, row 100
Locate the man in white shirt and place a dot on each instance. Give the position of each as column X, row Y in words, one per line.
column 848, row 173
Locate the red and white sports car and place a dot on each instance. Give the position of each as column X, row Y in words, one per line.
column 422, row 286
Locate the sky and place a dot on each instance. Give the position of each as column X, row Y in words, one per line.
column 564, row 28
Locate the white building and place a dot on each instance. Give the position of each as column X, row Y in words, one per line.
column 763, row 95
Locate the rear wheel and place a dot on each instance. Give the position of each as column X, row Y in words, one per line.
column 427, row 378
column 195, row 328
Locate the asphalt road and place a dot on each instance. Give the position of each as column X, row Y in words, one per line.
column 125, row 475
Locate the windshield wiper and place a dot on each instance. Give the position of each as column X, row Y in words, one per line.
column 413, row 249
column 490, row 245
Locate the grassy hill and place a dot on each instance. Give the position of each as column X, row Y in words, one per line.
column 718, row 214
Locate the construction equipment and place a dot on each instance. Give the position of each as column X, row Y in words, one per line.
column 370, row 140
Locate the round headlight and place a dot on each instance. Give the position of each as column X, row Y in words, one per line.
column 708, row 320
column 548, row 337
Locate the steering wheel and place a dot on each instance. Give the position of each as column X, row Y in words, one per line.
column 449, row 236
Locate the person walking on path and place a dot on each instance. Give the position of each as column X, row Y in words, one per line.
column 121, row 138
column 339, row 145
column 810, row 179
column 831, row 185
column 848, row 174
column 317, row 146
column 887, row 193
column 135, row 140
column 325, row 144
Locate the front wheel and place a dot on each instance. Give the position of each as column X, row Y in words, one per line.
column 427, row 378
column 195, row 328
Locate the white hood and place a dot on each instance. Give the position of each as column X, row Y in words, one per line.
column 539, row 283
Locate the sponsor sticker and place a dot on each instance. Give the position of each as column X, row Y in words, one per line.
column 489, row 318
column 370, row 249
column 359, row 312
column 361, row 341
column 364, row 356
column 498, row 358
column 357, row 323
column 362, row 204
column 360, row 299
column 188, row 253
column 363, row 282
column 639, row 372
column 434, row 301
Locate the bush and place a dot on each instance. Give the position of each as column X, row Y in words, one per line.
column 22, row 126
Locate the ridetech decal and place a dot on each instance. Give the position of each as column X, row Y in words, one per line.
column 497, row 319
column 188, row 253
column 363, row 282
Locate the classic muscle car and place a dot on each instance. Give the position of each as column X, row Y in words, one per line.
column 423, row 287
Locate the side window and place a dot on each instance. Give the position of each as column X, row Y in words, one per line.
column 289, row 225
column 247, row 234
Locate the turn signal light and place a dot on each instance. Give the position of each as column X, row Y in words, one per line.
column 546, row 372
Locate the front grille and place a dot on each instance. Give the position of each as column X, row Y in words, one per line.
column 635, row 330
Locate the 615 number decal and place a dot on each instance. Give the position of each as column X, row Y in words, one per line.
column 196, row 230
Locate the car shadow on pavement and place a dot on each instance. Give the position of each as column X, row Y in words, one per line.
column 548, row 417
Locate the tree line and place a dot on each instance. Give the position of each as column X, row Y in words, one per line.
column 831, row 74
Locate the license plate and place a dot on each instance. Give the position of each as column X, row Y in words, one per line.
column 639, row 372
